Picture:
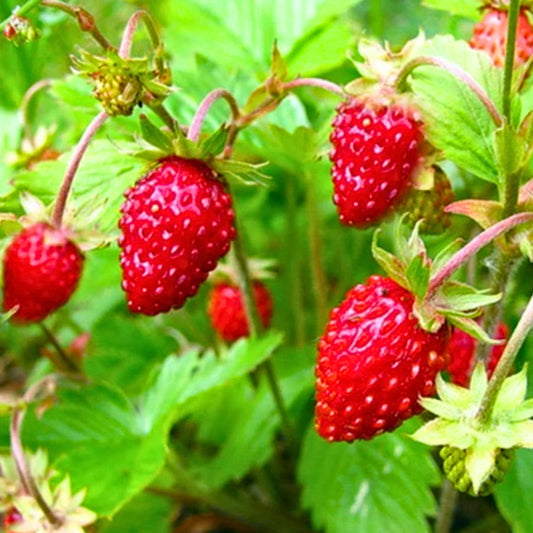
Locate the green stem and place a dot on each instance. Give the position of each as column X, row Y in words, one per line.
column 459, row 74
column 64, row 363
column 84, row 19
column 505, row 364
column 512, row 24
column 447, row 505
column 21, row 11
column 317, row 270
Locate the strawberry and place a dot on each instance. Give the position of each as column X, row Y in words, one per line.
column 10, row 518
column 376, row 151
column 42, row 268
column 226, row 310
column 177, row 222
column 429, row 205
column 490, row 35
column 462, row 354
column 374, row 362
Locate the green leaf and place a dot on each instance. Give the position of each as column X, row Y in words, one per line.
column 456, row 122
column 464, row 8
column 462, row 297
column 214, row 144
column 382, row 485
column 513, row 494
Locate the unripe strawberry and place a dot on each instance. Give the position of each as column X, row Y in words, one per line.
column 177, row 222
column 429, row 205
column 376, row 151
column 462, row 354
column 455, row 470
column 117, row 90
column 227, row 314
column 374, row 362
column 490, row 35
column 42, row 268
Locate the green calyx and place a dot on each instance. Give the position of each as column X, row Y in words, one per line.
column 157, row 143
column 484, row 445
column 120, row 84
column 452, row 301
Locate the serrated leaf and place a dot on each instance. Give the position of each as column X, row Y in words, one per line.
column 456, row 122
column 417, row 274
column 382, row 485
column 154, row 136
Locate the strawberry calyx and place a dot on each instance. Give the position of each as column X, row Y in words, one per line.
column 122, row 84
column 228, row 271
column 451, row 301
column 158, row 143
column 458, row 425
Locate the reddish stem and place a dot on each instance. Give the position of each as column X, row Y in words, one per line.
column 73, row 165
column 484, row 238
column 205, row 106
column 315, row 82
column 458, row 73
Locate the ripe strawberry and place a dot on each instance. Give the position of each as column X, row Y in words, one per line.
column 429, row 205
column 42, row 268
column 376, row 150
column 374, row 362
column 227, row 314
column 177, row 222
column 462, row 352
column 10, row 518
column 490, row 35
column 455, row 470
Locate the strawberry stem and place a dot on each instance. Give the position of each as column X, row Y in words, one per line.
column 314, row 82
column 458, row 73
column 512, row 24
column 84, row 18
column 519, row 335
column 64, row 362
column 205, row 106
column 73, row 165
column 24, row 106
column 481, row 240
column 17, row 451
column 447, row 504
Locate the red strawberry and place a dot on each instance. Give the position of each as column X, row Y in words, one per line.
column 177, row 222
column 374, row 362
column 490, row 35
column 376, row 150
column 226, row 310
column 462, row 352
column 42, row 268
column 10, row 518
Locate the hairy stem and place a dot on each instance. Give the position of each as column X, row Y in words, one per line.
column 85, row 21
column 447, row 504
column 315, row 82
column 24, row 106
column 17, row 452
column 458, row 73
column 205, row 106
column 478, row 242
column 74, row 163
column 505, row 364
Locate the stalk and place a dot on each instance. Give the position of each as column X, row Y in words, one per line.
column 447, row 504
column 505, row 364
